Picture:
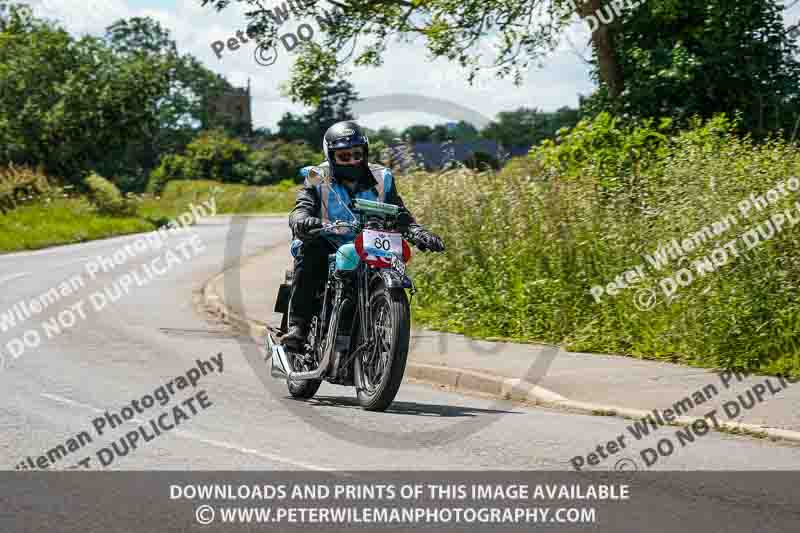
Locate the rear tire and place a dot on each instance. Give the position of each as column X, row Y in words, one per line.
column 380, row 372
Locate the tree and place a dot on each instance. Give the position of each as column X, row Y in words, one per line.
column 292, row 127
column 75, row 105
column 333, row 106
column 523, row 31
column 529, row 126
column 418, row 133
column 683, row 58
column 386, row 135
column 182, row 109
column 461, row 131
column 212, row 155
column 280, row 160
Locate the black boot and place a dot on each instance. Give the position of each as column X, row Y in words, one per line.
column 295, row 338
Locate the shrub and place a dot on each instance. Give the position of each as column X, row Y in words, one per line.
column 107, row 198
column 171, row 167
column 281, row 160
column 213, row 155
column 22, row 184
column 482, row 161
column 527, row 244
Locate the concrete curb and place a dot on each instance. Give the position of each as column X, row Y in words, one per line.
column 504, row 388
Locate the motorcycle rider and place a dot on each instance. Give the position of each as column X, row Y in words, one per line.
column 326, row 195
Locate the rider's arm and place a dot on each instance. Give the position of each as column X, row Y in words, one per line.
column 393, row 197
column 423, row 238
column 306, row 205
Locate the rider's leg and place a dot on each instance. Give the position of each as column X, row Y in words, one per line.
column 310, row 273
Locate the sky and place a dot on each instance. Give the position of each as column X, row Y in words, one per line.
column 558, row 81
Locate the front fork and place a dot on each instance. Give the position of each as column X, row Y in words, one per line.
column 365, row 310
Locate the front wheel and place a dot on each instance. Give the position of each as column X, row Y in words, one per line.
column 379, row 371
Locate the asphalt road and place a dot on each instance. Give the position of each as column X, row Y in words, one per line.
column 104, row 359
column 156, row 332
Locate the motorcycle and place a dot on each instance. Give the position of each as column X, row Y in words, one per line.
column 360, row 336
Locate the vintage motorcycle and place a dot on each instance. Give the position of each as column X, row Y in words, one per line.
column 360, row 336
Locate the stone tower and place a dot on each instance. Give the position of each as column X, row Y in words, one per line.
column 231, row 108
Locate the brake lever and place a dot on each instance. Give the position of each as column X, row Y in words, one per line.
column 330, row 227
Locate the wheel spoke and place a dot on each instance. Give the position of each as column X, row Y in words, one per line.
column 376, row 363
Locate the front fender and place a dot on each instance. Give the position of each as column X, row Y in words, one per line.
column 392, row 279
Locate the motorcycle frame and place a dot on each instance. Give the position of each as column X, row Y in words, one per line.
column 365, row 276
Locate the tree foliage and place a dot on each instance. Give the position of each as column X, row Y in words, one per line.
column 332, row 106
column 651, row 58
column 683, row 58
column 216, row 156
column 529, row 126
column 110, row 105
column 279, row 160
column 519, row 32
column 71, row 104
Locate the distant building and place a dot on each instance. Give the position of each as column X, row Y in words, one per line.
column 232, row 109
column 435, row 156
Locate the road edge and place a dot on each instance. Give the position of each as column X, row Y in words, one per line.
column 472, row 381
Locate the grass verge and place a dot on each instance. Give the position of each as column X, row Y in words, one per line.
column 62, row 221
column 71, row 220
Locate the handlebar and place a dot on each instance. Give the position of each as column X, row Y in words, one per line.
column 330, row 227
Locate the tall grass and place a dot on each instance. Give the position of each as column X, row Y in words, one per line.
column 526, row 245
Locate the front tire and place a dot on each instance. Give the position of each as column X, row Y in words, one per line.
column 380, row 372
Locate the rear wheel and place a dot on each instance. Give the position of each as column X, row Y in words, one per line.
column 380, row 370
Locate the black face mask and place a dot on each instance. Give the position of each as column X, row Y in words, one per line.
column 348, row 173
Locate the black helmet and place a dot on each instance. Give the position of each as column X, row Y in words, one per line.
column 345, row 134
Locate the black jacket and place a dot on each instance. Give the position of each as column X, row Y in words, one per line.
column 307, row 204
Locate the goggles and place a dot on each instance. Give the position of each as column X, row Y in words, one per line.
column 347, row 155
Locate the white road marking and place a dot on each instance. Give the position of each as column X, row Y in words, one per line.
column 194, row 436
column 14, row 276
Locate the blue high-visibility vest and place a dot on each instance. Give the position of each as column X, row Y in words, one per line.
column 335, row 197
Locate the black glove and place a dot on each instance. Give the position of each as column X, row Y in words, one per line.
column 428, row 241
column 404, row 218
column 308, row 224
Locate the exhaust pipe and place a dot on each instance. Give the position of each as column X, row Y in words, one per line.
column 280, row 363
column 282, row 369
